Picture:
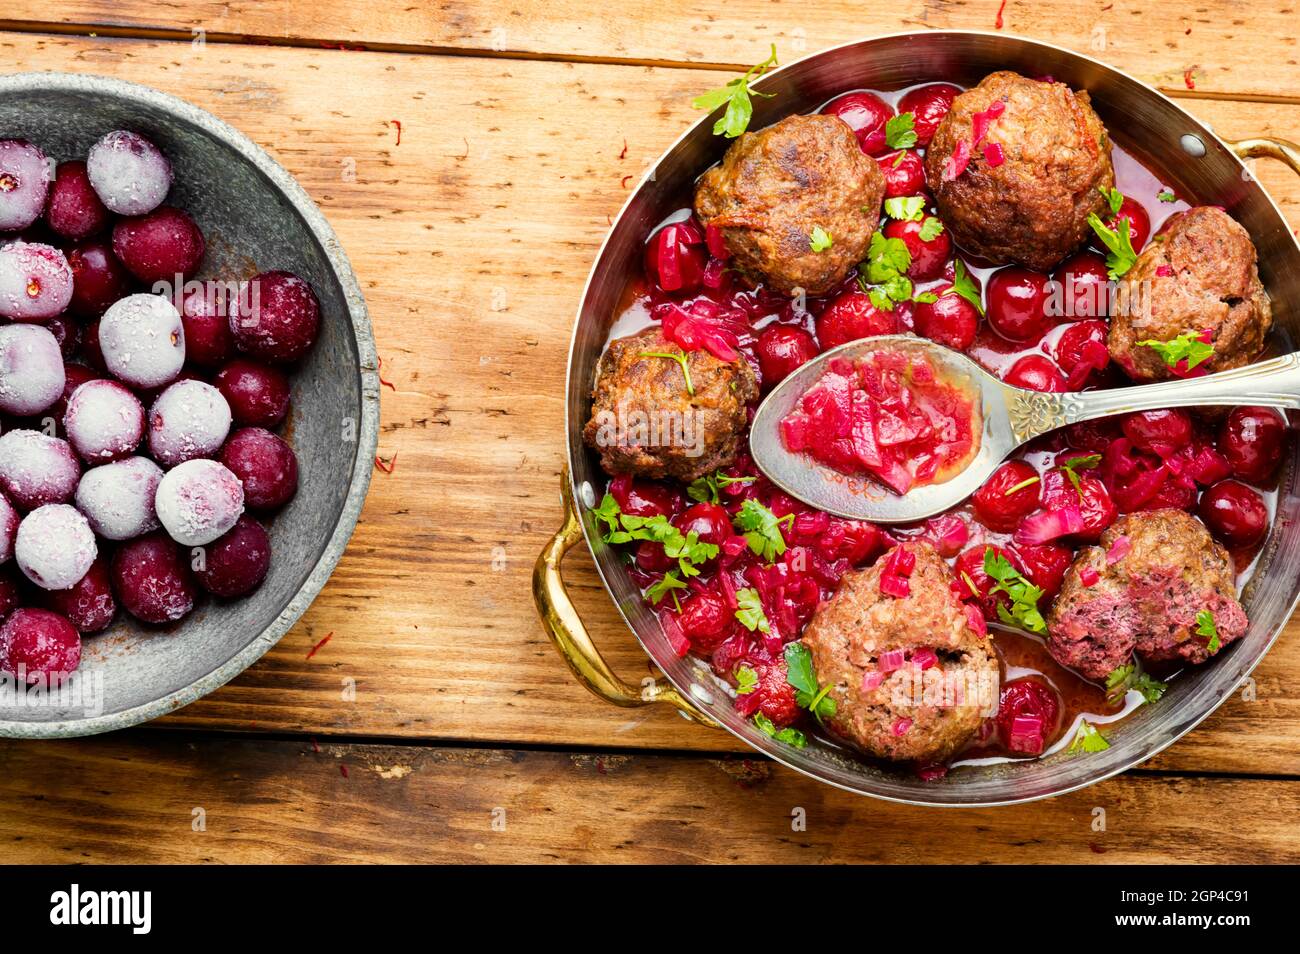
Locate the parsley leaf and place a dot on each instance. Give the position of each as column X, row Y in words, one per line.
column 964, row 285
column 788, row 735
column 762, row 529
column 680, row 358
column 740, row 109
column 885, row 269
column 1072, row 467
column 808, row 692
column 1088, row 739
column 746, row 680
column 931, row 229
column 1114, row 198
column 687, row 549
column 706, row 489
column 607, row 512
column 1186, row 347
column 1124, row 678
column 1166, row 195
column 661, row 589
column 906, row 208
column 1024, row 595
column 900, row 131
column 820, row 240
column 749, row 610
column 1121, row 256
column 1205, row 627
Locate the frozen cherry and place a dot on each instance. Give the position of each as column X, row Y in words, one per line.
column 75, row 211
column 88, row 604
column 928, row 105
column 39, row 646
column 950, row 319
column 198, row 501
column 1252, row 439
column 35, row 281
column 1159, row 432
column 98, row 278
column 235, row 564
column 66, row 332
column 206, row 318
column 37, row 469
column 1084, row 287
column 928, row 255
column 1035, row 372
column 266, row 466
column 853, row 316
column 74, row 376
column 129, row 173
column 258, row 394
column 31, row 369
column 55, row 546
column 24, row 184
column 104, row 421
column 866, row 114
column 9, row 520
column 781, row 349
column 11, row 591
column 159, row 246
column 1235, row 513
column 904, row 173
column 142, row 340
column 118, row 498
column 276, row 317
column 1008, row 496
column 190, row 419
column 1029, row 715
column 1017, row 303
column 152, row 580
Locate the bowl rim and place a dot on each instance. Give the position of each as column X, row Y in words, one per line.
column 367, row 437
column 574, row 446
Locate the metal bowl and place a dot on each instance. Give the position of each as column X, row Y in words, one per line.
column 255, row 217
column 1192, row 159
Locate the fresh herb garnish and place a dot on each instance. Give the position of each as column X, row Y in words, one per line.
column 687, row 549
column 608, row 512
column 883, row 276
column 746, row 680
column 1088, row 739
column 906, row 208
column 1024, row 595
column 1119, row 682
column 931, row 229
column 661, row 588
column 900, row 131
column 1121, row 256
column 820, row 240
column 1205, row 627
column 1186, row 347
column 788, row 735
column 706, row 489
column 964, row 285
column 1166, row 195
column 1072, row 467
column 736, row 94
column 749, row 611
column 808, row 692
column 680, row 358
column 1027, row 482
column 762, row 529
column 1114, row 198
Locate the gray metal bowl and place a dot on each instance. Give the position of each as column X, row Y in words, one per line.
column 255, row 217
column 1196, row 163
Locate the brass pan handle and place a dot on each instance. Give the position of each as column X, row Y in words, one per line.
column 1267, row 147
column 565, row 627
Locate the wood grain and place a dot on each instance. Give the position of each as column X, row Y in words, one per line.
column 136, row 799
column 1221, row 42
column 472, row 240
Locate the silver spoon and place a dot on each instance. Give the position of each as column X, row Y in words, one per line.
column 1012, row 416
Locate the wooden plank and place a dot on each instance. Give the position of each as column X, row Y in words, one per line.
column 283, row 802
column 499, row 194
column 1230, row 47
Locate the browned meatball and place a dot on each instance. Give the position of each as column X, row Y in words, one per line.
column 910, row 713
column 774, row 187
column 1199, row 277
column 646, row 421
column 1033, row 208
column 1152, row 574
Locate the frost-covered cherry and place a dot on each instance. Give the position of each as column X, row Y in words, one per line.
column 98, row 278
column 265, row 465
column 9, row 520
column 142, row 340
column 35, row 281
column 55, row 546
column 104, row 421
column 66, row 332
column 24, row 184
column 74, row 210
column 129, row 173
column 276, row 317
column 88, row 604
column 159, row 246
column 190, row 419
column 37, row 469
column 31, row 369
column 205, row 315
column 258, row 394
column 235, row 563
column 152, row 580
column 39, row 646
column 198, row 501
column 118, row 498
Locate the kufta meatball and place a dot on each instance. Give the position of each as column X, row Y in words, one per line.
column 659, row 411
column 1198, row 280
column 1148, row 587
column 1016, row 168
column 911, row 677
column 796, row 203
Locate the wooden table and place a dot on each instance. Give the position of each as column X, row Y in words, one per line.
column 470, row 155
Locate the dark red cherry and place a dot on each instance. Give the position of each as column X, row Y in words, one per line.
column 781, row 349
column 866, row 114
column 928, row 255
column 928, row 105
column 1016, row 303
column 1235, row 513
column 950, row 319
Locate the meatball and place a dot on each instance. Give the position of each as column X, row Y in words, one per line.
column 775, row 187
column 1142, row 589
column 1198, row 277
column 1032, row 208
column 910, row 678
column 653, row 418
